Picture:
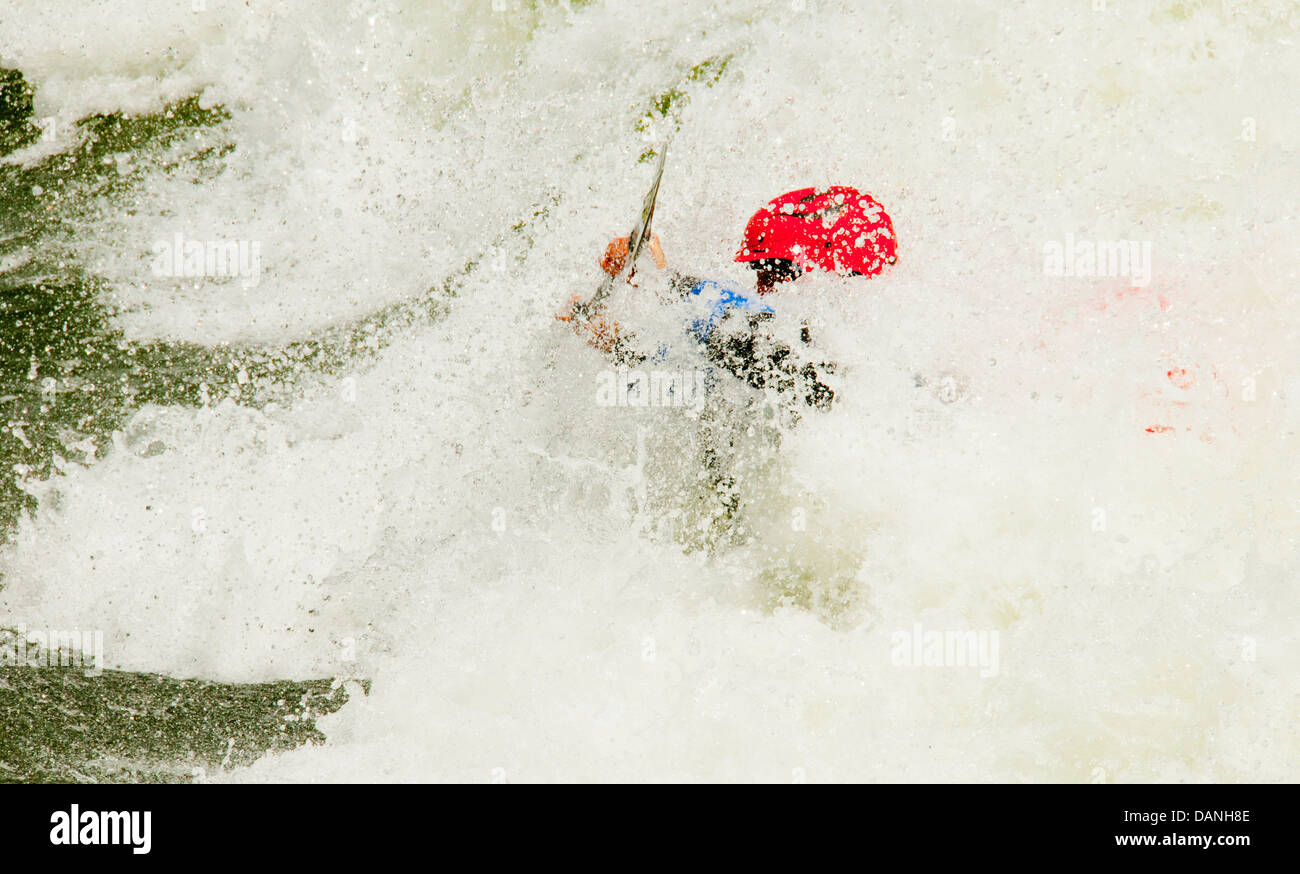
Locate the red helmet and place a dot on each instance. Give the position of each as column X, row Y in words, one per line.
column 837, row 229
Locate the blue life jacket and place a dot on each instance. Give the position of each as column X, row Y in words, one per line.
column 721, row 299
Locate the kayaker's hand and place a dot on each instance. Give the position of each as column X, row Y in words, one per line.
column 616, row 254
column 571, row 310
column 593, row 325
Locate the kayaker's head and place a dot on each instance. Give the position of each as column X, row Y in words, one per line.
column 836, row 229
column 773, row 270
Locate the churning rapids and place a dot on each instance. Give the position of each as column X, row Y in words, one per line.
column 1048, row 531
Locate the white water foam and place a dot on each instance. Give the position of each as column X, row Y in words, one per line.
column 507, row 559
